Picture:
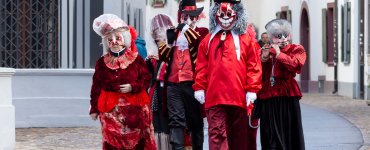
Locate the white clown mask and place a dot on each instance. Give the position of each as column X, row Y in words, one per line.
column 281, row 39
column 226, row 16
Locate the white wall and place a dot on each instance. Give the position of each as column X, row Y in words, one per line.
column 349, row 69
column 52, row 97
column 113, row 7
column 7, row 128
column 261, row 12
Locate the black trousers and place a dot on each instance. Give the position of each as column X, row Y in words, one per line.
column 184, row 112
column 280, row 123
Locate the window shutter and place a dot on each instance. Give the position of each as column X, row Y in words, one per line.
column 343, row 33
column 278, row 15
column 348, row 33
column 324, row 48
column 289, row 15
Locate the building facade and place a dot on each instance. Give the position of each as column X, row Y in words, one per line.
column 53, row 48
column 335, row 34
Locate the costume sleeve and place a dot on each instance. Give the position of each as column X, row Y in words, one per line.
column 95, row 88
column 201, row 68
column 192, row 37
column 203, row 32
column 143, row 81
column 294, row 60
column 164, row 52
column 254, row 68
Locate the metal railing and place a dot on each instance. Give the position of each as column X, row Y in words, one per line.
column 29, row 33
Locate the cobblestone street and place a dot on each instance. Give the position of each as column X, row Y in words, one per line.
column 356, row 111
column 58, row 138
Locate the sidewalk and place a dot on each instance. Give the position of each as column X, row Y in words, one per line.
column 324, row 121
column 355, row 111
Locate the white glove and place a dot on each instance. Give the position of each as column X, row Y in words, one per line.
column 250, row 97
column 125, row 88
column 199, row 95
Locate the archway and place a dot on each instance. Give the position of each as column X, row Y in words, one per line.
column 305, row 41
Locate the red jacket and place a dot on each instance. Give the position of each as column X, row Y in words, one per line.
column 224, row 78
column 289, row 62
column 202, row 32
column 110, row 80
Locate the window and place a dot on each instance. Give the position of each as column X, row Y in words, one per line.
column 158, row 3
column 346, row 33
column 138, row 22
column 328, row 34
column 285, row 13
column 29, row 34
column 128, row 13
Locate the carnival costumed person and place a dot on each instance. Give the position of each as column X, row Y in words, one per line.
column 118, row 92
column 192, row 19
column 180, row 54
column 228, row 76
column 159, row 25
column 278, row 100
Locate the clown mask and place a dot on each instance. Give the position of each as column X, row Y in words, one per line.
column 185, row 18
column 189, row 20
column 226, row 16
column 193, row 21
column 281, row 39
column 116, row 41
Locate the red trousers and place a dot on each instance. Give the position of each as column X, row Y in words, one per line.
column 228, row 128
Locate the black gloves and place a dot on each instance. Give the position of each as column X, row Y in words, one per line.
column 180, row 26
column 171, row 36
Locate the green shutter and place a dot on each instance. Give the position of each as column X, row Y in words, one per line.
column 343, row 33
column 324, row 47
column 278, row 15
column 289, row 15
column 348, row 33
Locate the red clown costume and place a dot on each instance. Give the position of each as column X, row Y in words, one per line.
column 228, row 76
column 180, row 53
column 278, row 101
column 118, row 92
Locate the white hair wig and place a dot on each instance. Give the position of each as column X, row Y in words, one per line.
column 278, row 26
column 241, row 24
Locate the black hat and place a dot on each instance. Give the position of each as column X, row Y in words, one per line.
column 227, row 1
column 190, row 8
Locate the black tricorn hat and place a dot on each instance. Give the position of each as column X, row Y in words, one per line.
column 227, row 1
column 189, row 7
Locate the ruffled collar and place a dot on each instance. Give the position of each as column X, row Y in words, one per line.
column 122, row 61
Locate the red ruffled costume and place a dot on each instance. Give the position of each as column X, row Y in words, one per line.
column 125, row 118
column 289, row 62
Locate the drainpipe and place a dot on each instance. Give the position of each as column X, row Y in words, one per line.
column 336, row 47
column 7, row 113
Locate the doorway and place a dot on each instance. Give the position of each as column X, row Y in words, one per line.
column 305, row 41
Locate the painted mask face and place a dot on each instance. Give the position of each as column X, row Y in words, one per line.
column 281, row 39
column 226, row 16
column 116, row 41
column 185, row 18
column 159, row 35
column 193, row 21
